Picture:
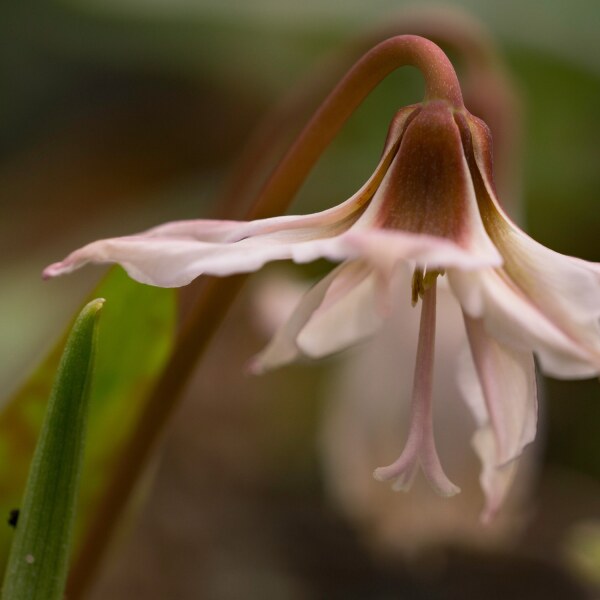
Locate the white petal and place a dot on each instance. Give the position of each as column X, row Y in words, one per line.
column 500, row 389
column 282, row 348
column 285, row 346
column 498, row 385
column 495, row 481
column 174, row 262
column 565, row 289
column 467, row 287
column 511, row 318
column 349, row 313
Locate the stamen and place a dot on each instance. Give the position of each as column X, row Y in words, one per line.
column 417, row 286
column 420, row 445
column 422, row 281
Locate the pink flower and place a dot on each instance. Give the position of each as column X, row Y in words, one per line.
column 428, row 210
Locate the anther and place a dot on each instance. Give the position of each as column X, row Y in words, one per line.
column 422, row 281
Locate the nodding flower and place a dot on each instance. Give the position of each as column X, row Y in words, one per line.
column 429, row 212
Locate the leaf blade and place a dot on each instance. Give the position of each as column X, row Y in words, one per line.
column 134, row 342
column 38, row 561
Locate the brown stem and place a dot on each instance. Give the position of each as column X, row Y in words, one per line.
column 283, row 121
column 405, row 50
column 218, row 294
column 488, row 90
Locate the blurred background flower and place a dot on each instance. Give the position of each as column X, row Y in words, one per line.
column 117, row 116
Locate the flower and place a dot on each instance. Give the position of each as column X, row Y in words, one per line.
column 429, row 210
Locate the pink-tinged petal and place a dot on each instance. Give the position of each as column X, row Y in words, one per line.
column 282, row 348
column 511, row 318
column 467, row 287
column 174, row 262
column 349, row 313
column 495, row 481
column 565, row 289
column 335, row 313
column 498, row 385
column 501, row 391
column 384, row 249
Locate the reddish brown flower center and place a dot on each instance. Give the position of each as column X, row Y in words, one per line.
column 428, row 186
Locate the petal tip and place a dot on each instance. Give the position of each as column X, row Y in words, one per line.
column 53, row 270
column 488, row 514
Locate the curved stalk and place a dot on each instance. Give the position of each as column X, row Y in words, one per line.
column 441, row 83
column 488, row 90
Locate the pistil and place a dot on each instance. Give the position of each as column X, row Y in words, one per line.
column 420, row 446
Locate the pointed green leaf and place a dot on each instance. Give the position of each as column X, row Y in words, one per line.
column 134, row 341
column 38, row 561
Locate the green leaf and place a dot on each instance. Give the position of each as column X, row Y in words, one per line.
column 136, row 337
column 38, row 561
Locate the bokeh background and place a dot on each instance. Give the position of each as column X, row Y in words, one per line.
column 118, row 115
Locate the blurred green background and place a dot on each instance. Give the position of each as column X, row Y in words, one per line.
column 118, row 115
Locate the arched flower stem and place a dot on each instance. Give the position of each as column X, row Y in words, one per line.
column 215, row 296
column 451, row 28
column 441, row 83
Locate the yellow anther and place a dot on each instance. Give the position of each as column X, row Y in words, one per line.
column 422, row 281
column 417, row 286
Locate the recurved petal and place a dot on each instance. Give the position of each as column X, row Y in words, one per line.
column 337, row 312
column 515, row 321
column 350, row 312
column 565, row 289
column 173, row 261
column 496, row 481
column 499, row 386
column 283, row 348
